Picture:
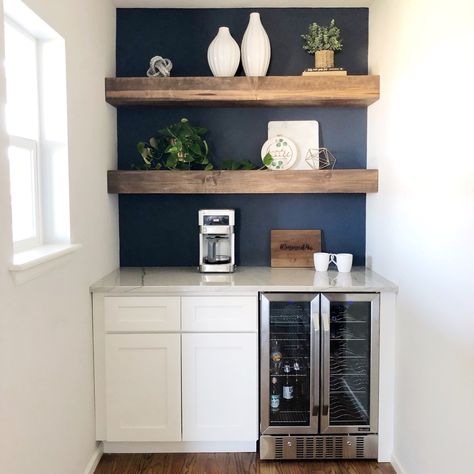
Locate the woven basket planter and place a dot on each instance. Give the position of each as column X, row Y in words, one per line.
column 324, row 58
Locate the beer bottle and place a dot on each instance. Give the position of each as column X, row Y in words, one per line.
column 275, row 396
column 297, row 384
column 288, row 385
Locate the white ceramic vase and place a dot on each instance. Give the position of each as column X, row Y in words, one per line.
column 255, row 48
column 223, row 54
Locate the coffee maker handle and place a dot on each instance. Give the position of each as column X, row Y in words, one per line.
column 211, row 250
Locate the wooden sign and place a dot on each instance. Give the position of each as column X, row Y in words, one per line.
column 294, row 248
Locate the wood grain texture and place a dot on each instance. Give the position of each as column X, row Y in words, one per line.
column 294, row 248
column 229, row 463
column 276, row 91
column 242, row 182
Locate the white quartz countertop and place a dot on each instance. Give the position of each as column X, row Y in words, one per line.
column 243, row 280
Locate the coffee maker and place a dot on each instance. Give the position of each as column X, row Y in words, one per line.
column 216, row 241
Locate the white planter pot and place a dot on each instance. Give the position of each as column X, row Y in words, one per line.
column 223, row 54
column 255, row 49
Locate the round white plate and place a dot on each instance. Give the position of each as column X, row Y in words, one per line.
column 283, row 151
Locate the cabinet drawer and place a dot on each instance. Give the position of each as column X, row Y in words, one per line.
column 219, row 313
column 142, row 313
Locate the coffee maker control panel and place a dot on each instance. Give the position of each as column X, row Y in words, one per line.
column 216, row 220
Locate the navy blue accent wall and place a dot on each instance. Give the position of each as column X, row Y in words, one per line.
column 157, row 230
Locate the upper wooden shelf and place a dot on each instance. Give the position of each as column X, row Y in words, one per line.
column 275, row 91
column 242, row 182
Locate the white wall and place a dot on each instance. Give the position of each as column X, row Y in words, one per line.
column 420, row 226
column 46, row 405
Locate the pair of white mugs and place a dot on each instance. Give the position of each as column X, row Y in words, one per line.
column 343, row 261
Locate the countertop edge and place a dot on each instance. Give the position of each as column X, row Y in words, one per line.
column 167, row 280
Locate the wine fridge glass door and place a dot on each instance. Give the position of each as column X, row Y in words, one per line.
column 289, row 363
column 350, row 363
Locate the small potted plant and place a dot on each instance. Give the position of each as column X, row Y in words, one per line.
column 322, row 41
column 178, row 146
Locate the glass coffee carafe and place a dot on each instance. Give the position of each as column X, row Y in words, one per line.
column 218, row 249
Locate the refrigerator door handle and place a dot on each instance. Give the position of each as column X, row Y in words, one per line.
column 325, row 369
column 315, row 361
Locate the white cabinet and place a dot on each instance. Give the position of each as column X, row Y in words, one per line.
column 143, row 387
column 220, row 387
column 177, row 370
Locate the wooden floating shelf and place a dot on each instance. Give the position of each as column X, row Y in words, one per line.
column 268, row 91
column 242, row 182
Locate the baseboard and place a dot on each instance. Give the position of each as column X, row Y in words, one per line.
column 94, row 460
column 181, row 447
column 397, row 466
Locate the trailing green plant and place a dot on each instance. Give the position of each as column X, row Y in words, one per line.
column 238, row 165
column 320, row 38
column 178, row 146
column 246, row 164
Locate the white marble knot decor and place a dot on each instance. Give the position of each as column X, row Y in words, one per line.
column 159, row 67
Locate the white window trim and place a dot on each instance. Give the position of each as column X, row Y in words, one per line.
column 31, row 263
column 37, row 240
column 37, row 256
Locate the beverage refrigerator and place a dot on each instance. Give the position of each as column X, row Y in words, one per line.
column 319, row 375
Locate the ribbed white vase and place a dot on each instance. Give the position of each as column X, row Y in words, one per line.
column 255, row 48
column 223, row 54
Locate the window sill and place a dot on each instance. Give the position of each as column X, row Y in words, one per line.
column 32, row 263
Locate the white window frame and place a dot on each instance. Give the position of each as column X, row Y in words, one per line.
column 52, row 243
column 33, row 147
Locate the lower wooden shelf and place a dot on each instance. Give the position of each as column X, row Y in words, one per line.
column 242, row 182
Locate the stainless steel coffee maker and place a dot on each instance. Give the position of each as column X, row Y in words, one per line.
column 216, row 241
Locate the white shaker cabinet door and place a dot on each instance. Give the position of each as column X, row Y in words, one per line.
column 220, row 387
column 143, row 389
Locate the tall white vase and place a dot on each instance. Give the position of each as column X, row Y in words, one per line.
column 255, row 48
column 223, row 54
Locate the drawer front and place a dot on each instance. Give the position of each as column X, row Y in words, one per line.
column 219, row 313
column 142, row 313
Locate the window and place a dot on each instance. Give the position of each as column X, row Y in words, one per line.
column 36, row 119
column 22, row 119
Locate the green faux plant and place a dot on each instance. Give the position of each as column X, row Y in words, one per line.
column 238, row 165
column 322, row 38
column 179, row 146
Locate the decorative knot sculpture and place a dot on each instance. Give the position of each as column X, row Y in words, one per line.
column 159, row 67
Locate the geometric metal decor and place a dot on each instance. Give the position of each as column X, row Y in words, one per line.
column 320, row 158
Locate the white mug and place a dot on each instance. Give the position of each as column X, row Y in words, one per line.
column 343, row 261
column 321, row 261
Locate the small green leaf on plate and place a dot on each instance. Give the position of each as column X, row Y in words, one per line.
column 267, row 159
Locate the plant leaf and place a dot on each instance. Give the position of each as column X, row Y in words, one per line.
column 171, row 161
column 171, row 149
column 267, row 159
column 248, row 165
column 154, row 143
